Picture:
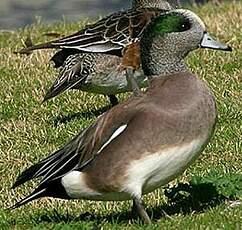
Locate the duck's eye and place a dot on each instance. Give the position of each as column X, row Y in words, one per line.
column 185, row 26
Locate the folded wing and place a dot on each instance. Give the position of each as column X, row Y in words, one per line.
column 75, row 70
column 110, row 34
column 81, row 150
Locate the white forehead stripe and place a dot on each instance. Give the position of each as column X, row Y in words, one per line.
column 191, row 15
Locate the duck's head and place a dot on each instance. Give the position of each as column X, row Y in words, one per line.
column 170, row 37
column 159, row 4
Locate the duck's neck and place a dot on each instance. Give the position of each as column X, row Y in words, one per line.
column 157, row 66
column 161, row 60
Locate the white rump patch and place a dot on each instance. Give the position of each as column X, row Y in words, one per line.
column 76, row 187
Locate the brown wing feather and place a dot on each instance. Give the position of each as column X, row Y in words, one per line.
column 111, row 33
column 75, row 70
column 84, row 147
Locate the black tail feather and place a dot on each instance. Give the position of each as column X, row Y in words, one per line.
column 26, row 175
column 30, row 173
column 48, row 165
column 47, row 45
column 52, row 188
column 38, row 193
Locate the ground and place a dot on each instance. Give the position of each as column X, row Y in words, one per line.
column 207, row 196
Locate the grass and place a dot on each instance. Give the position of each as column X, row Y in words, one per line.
column 202, row 198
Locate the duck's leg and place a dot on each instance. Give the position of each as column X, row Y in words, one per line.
column 138, row 208
column 132, row 82
column 113, row 99
column 131, row 62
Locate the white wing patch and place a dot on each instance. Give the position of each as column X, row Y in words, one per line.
column 114, row 135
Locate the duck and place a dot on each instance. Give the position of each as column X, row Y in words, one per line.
column 98, row 67
column 146, row 141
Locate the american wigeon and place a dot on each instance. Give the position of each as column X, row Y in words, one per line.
column 102, row 73
column 146, row 141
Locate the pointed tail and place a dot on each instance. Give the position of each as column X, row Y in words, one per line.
column 38, row 169
column 47, row 45
column 38, row 193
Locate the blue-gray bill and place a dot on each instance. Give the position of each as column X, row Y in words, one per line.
column 211, row 43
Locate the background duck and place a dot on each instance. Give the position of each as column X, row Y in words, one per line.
column 145, row 142
column 102, row 73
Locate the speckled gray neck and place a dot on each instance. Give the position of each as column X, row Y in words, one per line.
column 158, row 59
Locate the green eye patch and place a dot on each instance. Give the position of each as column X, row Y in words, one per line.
column 168, row 23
